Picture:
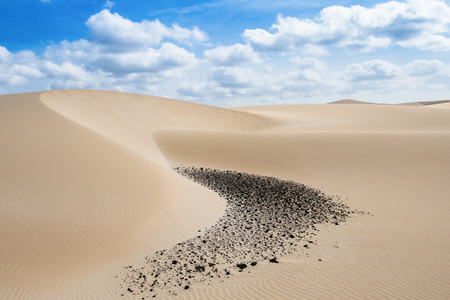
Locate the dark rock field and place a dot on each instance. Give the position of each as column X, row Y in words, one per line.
column 266, row 218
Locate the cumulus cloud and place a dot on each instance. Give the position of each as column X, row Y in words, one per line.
column 118, row 54
column 371, row 70
column 66, row 70
column 5, row 55
column 193, row 90
column 234, row 85
column 81, row 51
column 17, row 69
column 120, row 47
column 109, row 4
column 155, row 58
column 235, row 77
column 424, row 67
column 309, row 79
column 168, row 56
column 232, row 55
column 309, row 69
column 422, row 24
column 123, row 34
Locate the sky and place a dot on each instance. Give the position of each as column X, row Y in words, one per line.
column 230, row 52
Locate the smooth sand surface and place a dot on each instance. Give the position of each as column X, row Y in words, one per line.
column 86, row 188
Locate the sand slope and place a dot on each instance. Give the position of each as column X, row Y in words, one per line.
column 86, row 188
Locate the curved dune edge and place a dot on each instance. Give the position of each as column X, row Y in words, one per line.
column 75, row 204
column 86, row 188
column 129, row 118
column 417, row 103
column 392, row 161
column 440, row 105
column 427, row 103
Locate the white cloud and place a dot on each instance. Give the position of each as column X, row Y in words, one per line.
column 310, row 69
column 235, row 77
column 105, row 61
column 146, row 55
column 45, row 1
column 17, row 69
column 424, row 67
column 193, row 90
column 169, row 56
column 123, row 35
column 81, row 51
column 109, row 4
column 233, row 85
column 422, row 24
column 152, row 58
column 232, row 55
column 66, row 70
column 11, row 79
column 26, row 70
column 5, row 55
column 309, row 80
column 371, row 70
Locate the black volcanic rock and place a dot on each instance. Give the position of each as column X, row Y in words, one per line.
column 200, row 268
column 264, row 217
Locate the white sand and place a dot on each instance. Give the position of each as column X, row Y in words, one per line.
column 86, row 188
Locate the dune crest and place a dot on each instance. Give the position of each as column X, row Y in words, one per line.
column 130, row 118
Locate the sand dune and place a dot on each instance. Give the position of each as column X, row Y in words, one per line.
column 86, row 188
column 350, row 101
column 425, row 103
column 129, row 118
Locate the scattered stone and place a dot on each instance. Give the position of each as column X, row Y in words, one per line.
column 264, row 217
column 200, row 268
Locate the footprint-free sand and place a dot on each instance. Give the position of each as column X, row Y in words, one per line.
column 88, row 189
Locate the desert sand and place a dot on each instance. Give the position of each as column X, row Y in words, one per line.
column 88, row 189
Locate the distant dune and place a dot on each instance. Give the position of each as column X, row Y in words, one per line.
column 350, row 101
column 89, row 200
column 427, row 103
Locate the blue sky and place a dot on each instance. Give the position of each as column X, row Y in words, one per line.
column 230, row 52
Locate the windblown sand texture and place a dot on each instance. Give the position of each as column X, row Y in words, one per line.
column 87, row 190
